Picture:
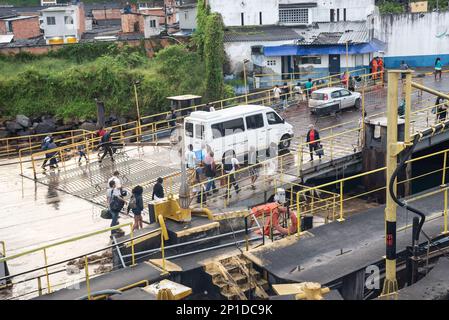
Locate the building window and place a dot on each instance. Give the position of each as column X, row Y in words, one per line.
column 294, row 15
column 332, row 15
column 51, row 21
column 9, row 26
column 310, row 60
column 68, row 19
column 242, row 17
column 338, row 14
column 152, row 23
column 257, row 50
column 271, row 62
column 260, row 18
column 344, row 14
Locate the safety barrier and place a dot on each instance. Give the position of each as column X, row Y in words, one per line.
column 157, row 122
column 340, row 186
column 47, row 265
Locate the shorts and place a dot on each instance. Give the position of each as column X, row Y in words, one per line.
column 254, row 171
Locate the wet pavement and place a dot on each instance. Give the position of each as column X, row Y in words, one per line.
column 67, row 203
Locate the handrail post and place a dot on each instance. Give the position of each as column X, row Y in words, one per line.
column 341, row 219
column 445, row 231
column 443, row 178
column 298, row 216
column 86, row 271
column 131, row 234
column 246, row 233
column 164, row 270
column 46, row 272
column 332, row 144
column 271, row 225
column 39, row 286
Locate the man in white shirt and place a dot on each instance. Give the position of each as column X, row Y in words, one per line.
column 230, row 166
column 277, row 92
column 116, row 179
column 190, row 158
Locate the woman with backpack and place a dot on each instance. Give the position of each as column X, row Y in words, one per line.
column 136, row 206
column 438, row 68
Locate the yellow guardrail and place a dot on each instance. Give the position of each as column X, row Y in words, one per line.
column 45, row 248
column 339, row 184
column 264, row 97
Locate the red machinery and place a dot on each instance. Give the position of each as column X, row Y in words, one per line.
column 274, row 212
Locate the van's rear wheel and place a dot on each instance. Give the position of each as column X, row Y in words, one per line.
column 358, row 104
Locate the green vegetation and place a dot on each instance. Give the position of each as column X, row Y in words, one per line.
column 392, row 6
column 65, row 82
column 203, row 10
column 214, row 56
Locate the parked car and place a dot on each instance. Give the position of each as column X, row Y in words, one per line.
column 333, row 99
column 234, row 130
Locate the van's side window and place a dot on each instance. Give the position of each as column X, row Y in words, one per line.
column 189, row 129
column 254, row 122
column 217, row 130
column 233, row 126
column 273, row 118
column 199, row 131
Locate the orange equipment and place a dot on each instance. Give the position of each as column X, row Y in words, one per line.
column 273, row 212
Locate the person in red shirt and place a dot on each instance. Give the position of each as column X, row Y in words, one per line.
column 313, row 137
column 375, row 66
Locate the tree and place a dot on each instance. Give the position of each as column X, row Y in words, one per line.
column 203, row 11
column 214, row 56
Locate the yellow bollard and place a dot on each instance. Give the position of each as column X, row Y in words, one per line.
column 86, row 271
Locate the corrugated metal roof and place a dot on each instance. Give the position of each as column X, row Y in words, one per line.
column 261, row 33
column 322, row 33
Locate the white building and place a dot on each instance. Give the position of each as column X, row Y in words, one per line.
column 290, row 12
column 151, row 26
column 63, row 24
column 309, row 38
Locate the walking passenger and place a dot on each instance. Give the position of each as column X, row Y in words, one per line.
column 210, row 169
column 308, row 87
column 44, row 146
column 158, row 190
column 374, row 68
column 115, row 203
column 53, row 156
column 441, row 109
column 231, row 165
column 171, row 118
column 438, row 68
column 380, row 64
column 116, row 178
column 298, row 92
column 313, row 137
column 404, row 66
column 82, row 153
column 136, row 206
column 106, row 143
column 277, row 93
column 190, row 158
column 284, row 96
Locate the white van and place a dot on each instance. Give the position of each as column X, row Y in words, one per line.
column 234, row 130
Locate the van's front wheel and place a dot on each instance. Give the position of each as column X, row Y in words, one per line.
column 285, row 142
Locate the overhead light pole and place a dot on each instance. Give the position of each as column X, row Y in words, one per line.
column 245, row 61
column 139, row 129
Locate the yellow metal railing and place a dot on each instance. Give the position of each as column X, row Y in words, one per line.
column 339, row 185
column 87, row 275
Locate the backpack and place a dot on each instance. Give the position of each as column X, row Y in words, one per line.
column 227, row 167
column 116, row 203
column 106, row 138
column 132, row 203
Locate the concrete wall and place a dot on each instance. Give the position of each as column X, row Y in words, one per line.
column 132, row 22
column 23, row 28
column 187, row 18
column 415, row 38
column 231, row 11
column 106, row 14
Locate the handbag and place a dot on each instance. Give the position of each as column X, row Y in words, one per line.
column 319, row 151
column 106, row 214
